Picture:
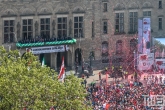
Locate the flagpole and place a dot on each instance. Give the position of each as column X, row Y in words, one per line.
column 62, row 71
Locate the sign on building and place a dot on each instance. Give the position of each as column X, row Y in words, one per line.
column 145, row 61
column 160, row 63
column 48, row 49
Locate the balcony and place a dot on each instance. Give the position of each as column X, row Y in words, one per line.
column 45, row 42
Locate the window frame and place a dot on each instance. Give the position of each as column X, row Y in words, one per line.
column 105, row 7
column 45, row 25
column 160, row 6
column 146, row 14
column 10, row 38
column 104, row 53
column 134, row 22
column 63, row 24
column 119, row 24
column 80, row 26
column 27, row 28
column 105, row 25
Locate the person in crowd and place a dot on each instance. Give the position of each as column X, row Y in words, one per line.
column 99, row 75
column 85, row 83
column 123, row 95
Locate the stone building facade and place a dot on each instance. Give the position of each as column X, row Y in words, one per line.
column 105, row 28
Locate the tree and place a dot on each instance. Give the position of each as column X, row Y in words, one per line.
column 24, row 83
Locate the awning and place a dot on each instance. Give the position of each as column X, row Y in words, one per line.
column 72, row 41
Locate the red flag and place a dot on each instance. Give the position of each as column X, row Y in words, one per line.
column 62, row 70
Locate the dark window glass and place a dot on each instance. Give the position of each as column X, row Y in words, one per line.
column 75, row 19
column 6, row 23
column 42, row 21
column 105, row 7
column 160, row 23
column 92, row 29
column 160, row 4
column 146, row 13
column 105, row 27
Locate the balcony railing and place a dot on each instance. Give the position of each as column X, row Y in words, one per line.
column 45, row 42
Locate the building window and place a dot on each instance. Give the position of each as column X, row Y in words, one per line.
column 146, row 13
column 62, row 27
column 27, row 29
column 105, row 7
column 119, row 47
column 105, row 27
column 45, row 27
column 78, row 26
column 160, row 24
column 119, row 22
column 133, row 19
column 105, row 55
column 8, row 31
column 92, row 28
column 160, row 4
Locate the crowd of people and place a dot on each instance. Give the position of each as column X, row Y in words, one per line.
column 126, row 95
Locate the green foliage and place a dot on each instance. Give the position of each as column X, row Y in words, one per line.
column 25, row 83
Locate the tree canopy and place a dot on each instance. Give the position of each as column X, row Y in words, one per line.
column 24, row 83
column 159, row 45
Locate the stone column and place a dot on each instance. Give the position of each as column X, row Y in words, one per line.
column 36, row 28
column 73, row 56
column 54, row 61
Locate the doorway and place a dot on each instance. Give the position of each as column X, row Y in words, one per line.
column 45, row 58
column 59, row 59
column 78, row 56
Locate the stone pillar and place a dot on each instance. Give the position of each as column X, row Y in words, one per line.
column 73, row 56
column 54, row 61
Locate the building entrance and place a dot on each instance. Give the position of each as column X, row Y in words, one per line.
column 59, row 59
column 78, row 56
column 46, row 57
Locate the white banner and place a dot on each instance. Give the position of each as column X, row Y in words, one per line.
column 140, row 35
column 49, row 49
column 160, row 63
column 145, row 61
column 146, row 35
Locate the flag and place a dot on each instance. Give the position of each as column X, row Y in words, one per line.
column 43, row 61
column 163, row 53
column 62, row 70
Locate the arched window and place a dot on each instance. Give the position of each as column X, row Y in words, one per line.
column 105, row 55
column 119, row 44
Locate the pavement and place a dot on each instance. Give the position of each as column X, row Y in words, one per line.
column 95, row 77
